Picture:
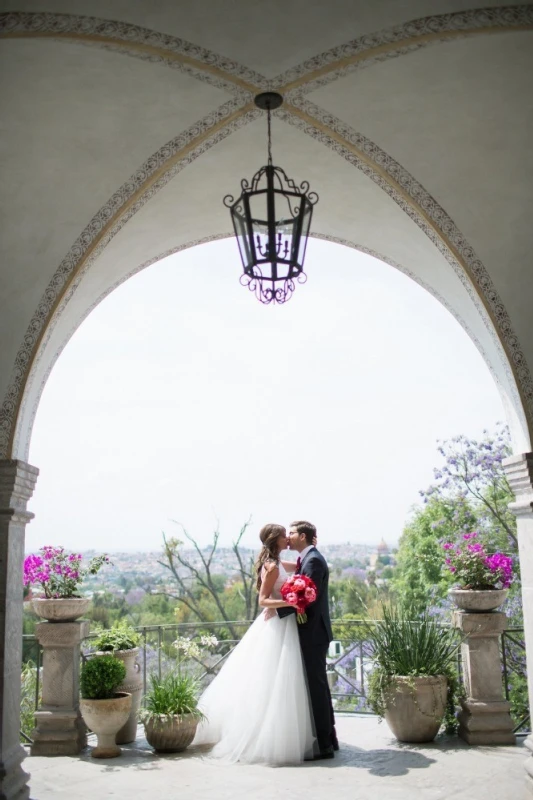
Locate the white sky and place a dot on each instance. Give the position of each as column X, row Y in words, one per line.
column 182, row 397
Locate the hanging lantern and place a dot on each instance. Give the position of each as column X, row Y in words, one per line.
column 272, row 219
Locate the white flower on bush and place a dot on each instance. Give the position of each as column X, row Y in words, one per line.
column 191, row 649
column 208, row 641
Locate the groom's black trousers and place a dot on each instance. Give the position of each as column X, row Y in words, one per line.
column 314, row 657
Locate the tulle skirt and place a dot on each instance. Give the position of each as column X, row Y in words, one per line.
column 257, row 707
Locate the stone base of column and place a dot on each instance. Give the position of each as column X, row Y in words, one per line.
column 486, row 722
column 58, row 733
column 13, row 779
column 529, row 766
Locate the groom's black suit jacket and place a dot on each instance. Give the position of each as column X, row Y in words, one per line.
column 317, row 629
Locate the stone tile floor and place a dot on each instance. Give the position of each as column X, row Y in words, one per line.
column 370, row 765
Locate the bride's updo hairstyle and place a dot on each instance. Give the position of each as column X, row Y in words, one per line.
column 269, row 535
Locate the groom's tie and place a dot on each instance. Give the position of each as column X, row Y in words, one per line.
column 298, row 564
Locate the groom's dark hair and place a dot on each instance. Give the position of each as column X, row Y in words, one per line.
column 305, row 527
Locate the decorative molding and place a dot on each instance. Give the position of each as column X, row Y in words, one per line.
column 519, row 473
column 17, row 482
column 224, row 73
column 24, row 445
column 141, row 187
column 133, row 40
column 428, row 215
column 402, row 40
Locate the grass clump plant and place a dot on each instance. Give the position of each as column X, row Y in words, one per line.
column 172, row 694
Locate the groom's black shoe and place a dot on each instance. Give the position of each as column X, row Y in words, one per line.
column 328, row 752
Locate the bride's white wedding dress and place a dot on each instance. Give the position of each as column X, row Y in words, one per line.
column 257, row 707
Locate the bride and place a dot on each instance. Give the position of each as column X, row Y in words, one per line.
column 257, row 708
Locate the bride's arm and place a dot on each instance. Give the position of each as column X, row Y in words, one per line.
column 270, row 576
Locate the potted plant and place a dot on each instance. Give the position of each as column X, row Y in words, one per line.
column 483, row 578
column 122, row 641
column 103, row 708
column 59, row 574
column 171, row 714
column 413, row 683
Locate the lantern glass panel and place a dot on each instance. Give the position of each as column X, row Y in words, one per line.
column 306, row 211
column 241, row 234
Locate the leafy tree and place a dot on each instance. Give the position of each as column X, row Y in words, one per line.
column 201, row 591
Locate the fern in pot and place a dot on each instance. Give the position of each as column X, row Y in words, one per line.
column 171, row 714
column 414, row 683
column 122, row 641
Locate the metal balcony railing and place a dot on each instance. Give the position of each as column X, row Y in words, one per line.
column 350, row 664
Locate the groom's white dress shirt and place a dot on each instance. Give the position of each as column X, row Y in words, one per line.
column 304, row 552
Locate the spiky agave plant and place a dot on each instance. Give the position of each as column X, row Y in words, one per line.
column 411, row 646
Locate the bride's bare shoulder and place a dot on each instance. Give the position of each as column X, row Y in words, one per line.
column 270, row 566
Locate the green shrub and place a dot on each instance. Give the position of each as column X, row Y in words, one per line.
column 120, row 636
column 100, row 677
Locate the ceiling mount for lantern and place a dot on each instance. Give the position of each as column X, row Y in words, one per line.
column 272, row 219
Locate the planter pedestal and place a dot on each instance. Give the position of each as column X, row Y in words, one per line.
column 484, row 717
column 59, row 728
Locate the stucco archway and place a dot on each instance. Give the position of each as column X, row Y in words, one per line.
column 127, row 128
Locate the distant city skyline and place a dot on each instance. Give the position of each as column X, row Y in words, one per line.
column 182, row 398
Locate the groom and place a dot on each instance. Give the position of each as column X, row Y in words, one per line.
column 315, row 635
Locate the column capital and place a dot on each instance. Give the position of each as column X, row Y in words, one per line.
column 493, row 623
column 17, row 482
column 519, row 473
column 62, row 634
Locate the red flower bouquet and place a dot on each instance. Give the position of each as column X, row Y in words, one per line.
column 299, row 591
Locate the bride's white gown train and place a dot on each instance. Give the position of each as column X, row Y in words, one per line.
column 257, row 707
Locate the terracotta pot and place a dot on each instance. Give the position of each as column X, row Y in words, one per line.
column 170, row 734
column 416, row 707
column 105, row 718
column 61, row 609
column 133, row 684
column 478, row 601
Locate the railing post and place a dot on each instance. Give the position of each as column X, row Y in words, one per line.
column 485, row 715
column 60, row 729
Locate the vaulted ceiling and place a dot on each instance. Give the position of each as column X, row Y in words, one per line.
column 124, row 124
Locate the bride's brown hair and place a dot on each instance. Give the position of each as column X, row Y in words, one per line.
column 269, row 535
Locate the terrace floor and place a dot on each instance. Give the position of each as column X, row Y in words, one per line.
column 371, row 764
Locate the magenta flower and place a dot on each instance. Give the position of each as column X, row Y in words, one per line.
column 59, row 573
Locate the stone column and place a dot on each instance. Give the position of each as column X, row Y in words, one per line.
column 519, row 471
column 59, row 728
column 17, row 482
column 485, row 714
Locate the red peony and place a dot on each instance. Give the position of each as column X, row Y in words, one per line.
column 300, row 591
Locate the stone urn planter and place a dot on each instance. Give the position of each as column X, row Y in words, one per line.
column 132, row 684
column 415, row 707
column 61, row 609
column 478, row 601
column 170, row 733
column 105, row 718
